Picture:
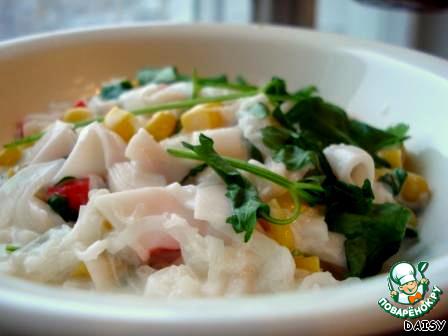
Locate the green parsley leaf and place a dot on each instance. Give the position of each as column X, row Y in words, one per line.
column 246, row 208
column 114, row 89
column 411, row 233
column 394, row 180
column 344, row 197
column 246, row 204
column 373, row 231
column 306, row 92
column 276, row 87
column 286, row 147
column 331, row 124
column 371, row 237
column 400, row 130
column 254, row 152
column 293, row 157
column 164, row 75
column 193, row 172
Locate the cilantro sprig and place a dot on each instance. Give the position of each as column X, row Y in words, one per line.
column 246, row 204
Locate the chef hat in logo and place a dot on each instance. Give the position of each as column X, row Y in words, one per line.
column 402, row 273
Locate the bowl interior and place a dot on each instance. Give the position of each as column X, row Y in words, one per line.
column 379, row 84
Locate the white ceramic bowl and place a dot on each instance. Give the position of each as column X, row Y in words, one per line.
column 382, row 84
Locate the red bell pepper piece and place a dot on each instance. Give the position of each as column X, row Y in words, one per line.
column 162, row 257
column 80, row 103
column 76, row 191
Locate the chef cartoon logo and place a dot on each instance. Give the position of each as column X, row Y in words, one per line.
column 408, row 288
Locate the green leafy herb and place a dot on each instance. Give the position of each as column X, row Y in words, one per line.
column 275, row 88
column 281, row 118
column 411, row 233
column 306, row 92
column 254, row 152
column 246, row 204
column 247, row 207
column 61, row 206
column 293, row 157
column 114, row 89
column 277, row 92
column 193, row 172
column 344, row 197
column 164, row 75
column 11, row 248
column 307, row 128
column 286, row 147
column 400, row 130
column 371, row 237
column 259, row 110
column 394, row 180
column 330, row 124
column 373, row 231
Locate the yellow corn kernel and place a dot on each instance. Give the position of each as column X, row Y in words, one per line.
column 10, row 156
column 121, row 122
column 414, row 187
column 285, row 201
column 394, row 156
column 76, row 115
column 80, row 271
column 283, row 235
column 311, row 263
column 200, row 117
column 161, row 125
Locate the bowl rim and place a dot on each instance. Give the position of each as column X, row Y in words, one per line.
column 43, row 300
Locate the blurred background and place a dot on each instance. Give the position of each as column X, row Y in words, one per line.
column 418, row 24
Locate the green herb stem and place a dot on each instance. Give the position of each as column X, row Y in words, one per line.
column 192, row 102
column 250, row 168
column 87, row 122
column 296, row 189
column 196, row 85
column 25, row 141
column 233, row 86
column 290, row 219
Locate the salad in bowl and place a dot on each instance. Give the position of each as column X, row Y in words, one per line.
column 173, row 185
